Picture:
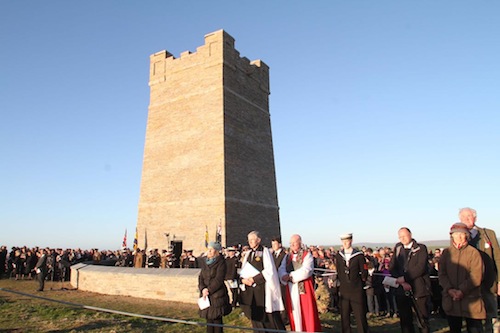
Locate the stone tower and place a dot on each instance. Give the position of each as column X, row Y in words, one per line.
column 208, row 156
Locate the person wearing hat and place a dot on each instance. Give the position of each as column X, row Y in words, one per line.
column 485, row 240
column 164, row 259
column 352, row 274
column 190, row 261
column 409, row 265
column 232, row 265
column 139, row 258
column 460, row 274
column 171, row 260
column 211, row 285
column 153, row 259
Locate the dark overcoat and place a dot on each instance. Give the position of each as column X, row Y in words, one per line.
column 414, row 266
column 212, row 278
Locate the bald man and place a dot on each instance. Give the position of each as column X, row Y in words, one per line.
column 409, row 265
column 296, row 272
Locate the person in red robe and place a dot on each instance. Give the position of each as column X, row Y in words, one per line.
column 296, row 272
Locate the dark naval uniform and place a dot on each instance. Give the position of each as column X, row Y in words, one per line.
column 232, row 265
column 351, row 273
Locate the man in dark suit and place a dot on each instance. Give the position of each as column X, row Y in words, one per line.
column 41, row 269
column 410, row 266
column 278, row 251
column 231, row 278
column 278, row 254
column 3, row 260
column 190, row 261
column 352, row 274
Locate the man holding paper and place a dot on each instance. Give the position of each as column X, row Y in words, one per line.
column 409, row 266
column 260, row 297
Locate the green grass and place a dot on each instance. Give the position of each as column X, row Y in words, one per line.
column 20, row 313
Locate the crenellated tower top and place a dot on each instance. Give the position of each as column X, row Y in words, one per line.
column 208, row 156
column 218, row 48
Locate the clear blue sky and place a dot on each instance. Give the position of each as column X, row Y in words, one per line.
column 384, row 113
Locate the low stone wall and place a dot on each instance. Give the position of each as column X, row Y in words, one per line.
column 175, row 284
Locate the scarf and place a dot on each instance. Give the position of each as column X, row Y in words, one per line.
column 211, row 260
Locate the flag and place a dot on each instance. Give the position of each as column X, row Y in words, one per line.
column 135, row 239
column 218, row 233
column 124, row 244
column 206, row 235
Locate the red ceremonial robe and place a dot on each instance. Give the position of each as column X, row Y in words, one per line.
column 301, row 302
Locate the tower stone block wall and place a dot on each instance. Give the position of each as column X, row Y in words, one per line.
column 208, row 155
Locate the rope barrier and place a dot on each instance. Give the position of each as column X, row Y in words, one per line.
column 130, row 314
column 331, row 272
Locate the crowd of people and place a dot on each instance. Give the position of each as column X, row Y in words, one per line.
column 19, row 262
column 276, row 286
column 407, row 281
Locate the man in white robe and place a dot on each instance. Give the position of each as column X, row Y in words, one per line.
column 260, row 297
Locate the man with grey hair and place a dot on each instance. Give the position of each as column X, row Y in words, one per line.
column 485, row 240
column 260, row 297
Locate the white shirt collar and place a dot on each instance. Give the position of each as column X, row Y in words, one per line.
column 409, row 246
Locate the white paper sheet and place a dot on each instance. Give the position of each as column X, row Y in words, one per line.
column 203, row 302
column 249, row 271
column 390, row 281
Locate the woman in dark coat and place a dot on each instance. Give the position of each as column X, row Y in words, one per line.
column 211, row 285
column 19, row 264
column 31, row 260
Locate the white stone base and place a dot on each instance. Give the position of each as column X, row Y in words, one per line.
column 173, row 284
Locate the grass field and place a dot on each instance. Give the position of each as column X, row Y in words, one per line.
column 24, row 313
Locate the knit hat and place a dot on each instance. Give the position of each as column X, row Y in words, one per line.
column 459, row 227
column 215, row 245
